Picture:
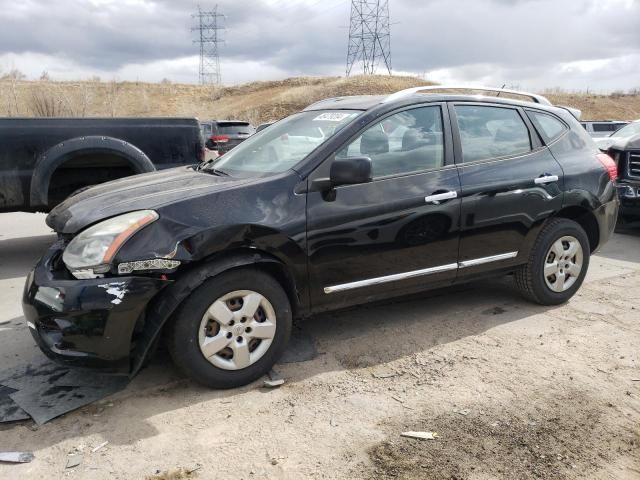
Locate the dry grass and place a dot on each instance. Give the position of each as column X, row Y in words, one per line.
column 257, row 101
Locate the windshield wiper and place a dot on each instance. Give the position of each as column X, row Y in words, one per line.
column 203, row 167
column 214, row 171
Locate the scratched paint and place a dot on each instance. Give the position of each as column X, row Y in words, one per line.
column 117, row 289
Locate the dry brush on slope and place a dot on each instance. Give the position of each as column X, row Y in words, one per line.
column 257, row 101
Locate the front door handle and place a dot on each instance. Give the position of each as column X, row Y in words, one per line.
column 544, row 179
column 438, row 197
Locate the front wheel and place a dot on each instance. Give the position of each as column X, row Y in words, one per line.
column 557, row 264
column 232, row 329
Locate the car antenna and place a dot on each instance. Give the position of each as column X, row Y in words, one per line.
column 503, row 85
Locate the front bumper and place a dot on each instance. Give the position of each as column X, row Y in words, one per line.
column 89, row 323
column 629, row 195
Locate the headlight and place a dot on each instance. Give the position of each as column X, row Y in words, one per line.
column 92, row 250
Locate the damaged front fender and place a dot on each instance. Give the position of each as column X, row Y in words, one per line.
column 164, row 306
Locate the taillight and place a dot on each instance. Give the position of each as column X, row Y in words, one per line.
column 609, row 165
column 220, row 138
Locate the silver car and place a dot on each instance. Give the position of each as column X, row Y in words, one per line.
column 619, row 136
column 602, row 128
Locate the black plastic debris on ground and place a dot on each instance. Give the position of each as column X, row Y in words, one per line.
column 43, row 390
column 9, row 410
column 301, row 347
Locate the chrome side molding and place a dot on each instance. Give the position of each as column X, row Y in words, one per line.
column 418, row 273
column 483, row 260
column 390, row 278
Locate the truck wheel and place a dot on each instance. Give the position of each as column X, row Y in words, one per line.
column 557, row 264
column 232, row 329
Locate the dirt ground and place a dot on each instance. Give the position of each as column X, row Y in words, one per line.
column 513, row 391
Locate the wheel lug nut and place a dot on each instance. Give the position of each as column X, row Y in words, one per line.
column 229, row 334
column 239, row 339
column 248, row 329
column 231, row 323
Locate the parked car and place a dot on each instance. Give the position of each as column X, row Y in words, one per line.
column 220, row 258
column 223, row 135
column 625, row 149
column 620, row 136
column 602, row 128
column 44, row 160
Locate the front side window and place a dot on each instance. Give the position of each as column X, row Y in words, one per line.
column 284, row 144
column 491, row 132
column 408, row 141
column 549, row 127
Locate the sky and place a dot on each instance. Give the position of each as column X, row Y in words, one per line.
column 527, row 44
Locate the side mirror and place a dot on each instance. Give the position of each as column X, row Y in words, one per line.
column 348, row 171
column 345, row 171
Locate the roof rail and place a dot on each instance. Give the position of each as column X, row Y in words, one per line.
column 410, row 91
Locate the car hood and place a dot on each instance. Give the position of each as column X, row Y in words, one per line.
column 139, row 192
column 619, row 143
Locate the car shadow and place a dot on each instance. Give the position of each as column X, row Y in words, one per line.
column 359, row 339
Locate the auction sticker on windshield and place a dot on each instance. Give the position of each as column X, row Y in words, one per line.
column 332, row 116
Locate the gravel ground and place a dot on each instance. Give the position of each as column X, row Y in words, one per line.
column 513, row 390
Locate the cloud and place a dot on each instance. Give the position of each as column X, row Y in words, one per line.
column 538, row 43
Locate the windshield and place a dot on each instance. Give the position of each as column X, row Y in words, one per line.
column 628, row 130
column 283, row 144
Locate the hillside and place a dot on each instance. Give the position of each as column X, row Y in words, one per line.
column 256, row 101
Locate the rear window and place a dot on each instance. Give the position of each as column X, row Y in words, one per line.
column 605, row 127
column 491, row 132
column 548, row 126
column 235, row 128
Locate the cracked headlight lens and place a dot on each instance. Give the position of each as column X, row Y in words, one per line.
column 92, row 250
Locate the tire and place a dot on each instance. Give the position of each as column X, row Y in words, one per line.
column 531, row 279
column 194, row 325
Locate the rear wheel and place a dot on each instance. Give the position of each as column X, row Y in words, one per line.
column 557, row 264
column 232, row 329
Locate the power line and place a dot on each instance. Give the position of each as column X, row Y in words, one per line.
column 207, row 28
column 369, row 36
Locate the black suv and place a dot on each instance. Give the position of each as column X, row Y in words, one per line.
column 353, row 199
column 223, row 135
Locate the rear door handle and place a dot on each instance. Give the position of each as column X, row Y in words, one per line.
column 438, row 197
column 544, row 179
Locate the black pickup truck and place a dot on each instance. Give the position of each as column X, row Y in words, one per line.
column 44, row 160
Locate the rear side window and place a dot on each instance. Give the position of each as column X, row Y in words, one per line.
column 491, row 132
column 548, row 126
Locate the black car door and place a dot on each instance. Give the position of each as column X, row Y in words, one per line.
column 510, row 183
column 398, row 232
